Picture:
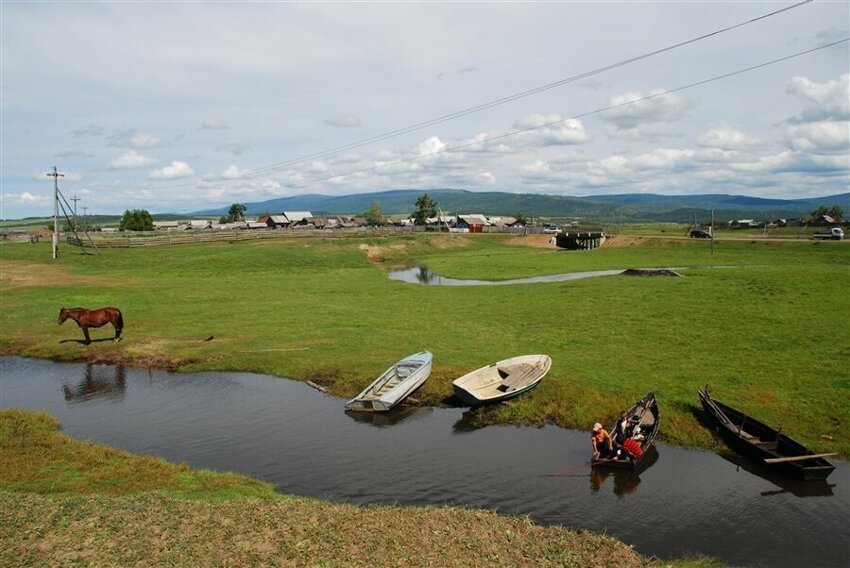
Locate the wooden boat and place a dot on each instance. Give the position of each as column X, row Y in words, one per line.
column 764, row 444
column 503, row 380
column 648, row 426
column 394, row 385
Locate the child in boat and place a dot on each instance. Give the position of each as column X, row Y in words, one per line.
column 601, row 442
column 632, row 449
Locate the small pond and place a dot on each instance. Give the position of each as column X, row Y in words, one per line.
column 683, row 502
column 423, row 275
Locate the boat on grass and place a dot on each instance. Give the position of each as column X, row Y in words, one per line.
column 503, row 380
column 765, row 445
column 394, row 385
column 647, row 424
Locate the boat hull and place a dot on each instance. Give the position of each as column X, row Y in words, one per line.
column 393, row 385
column 501, row 381
column 757, row 441
column 647, row 408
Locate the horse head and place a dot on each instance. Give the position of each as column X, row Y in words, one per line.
column 63, row 315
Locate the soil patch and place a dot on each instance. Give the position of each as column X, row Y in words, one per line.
column 22, row 274
column 538, row 241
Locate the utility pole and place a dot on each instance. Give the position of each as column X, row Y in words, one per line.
column 75, row 199
column 55, row 175
column 85, row 225
column 712, row 231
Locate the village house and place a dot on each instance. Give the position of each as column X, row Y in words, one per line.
column 473, row 223
column 299, row 218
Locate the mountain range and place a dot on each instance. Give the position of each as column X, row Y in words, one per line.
column 622, row 207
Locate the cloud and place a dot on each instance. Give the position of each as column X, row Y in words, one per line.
column 726, row 138
column 174, row 171
column 132, row 160
column 235, row 148
column 665, row 108
column 559, row 132
column 73, row 153
column 820, row 137
column 430, row 146
column 214, row 124
column 90, row 130
column 132, row 138
column 467, row 69
column 831, row 100
column 232, row 172
column 343, row 121
column 24, row 198
column 536, row 167
column 485, row 178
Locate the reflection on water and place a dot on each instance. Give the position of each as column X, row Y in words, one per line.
column 103, row 382
column 625, row 481
column 423, row 275
column 796, row 487
column 397, row 415
column 288, row 434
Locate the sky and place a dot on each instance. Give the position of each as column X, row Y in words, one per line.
column 181, row 106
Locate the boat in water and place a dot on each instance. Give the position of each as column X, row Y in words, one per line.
column 503, row 380
column 394, row 385
column 646, row 423
column 768, row 446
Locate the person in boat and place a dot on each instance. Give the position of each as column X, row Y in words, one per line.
column 631, row 449
column 621, row 429
column 601, row 442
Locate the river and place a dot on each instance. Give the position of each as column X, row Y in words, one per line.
column 684, row 502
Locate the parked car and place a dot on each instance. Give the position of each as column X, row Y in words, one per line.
column 698, row 234
column 551, row 229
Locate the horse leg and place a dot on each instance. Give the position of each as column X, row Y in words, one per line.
column 86, row 333
column 117, row 333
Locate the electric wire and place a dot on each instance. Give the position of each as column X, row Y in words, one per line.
column 461, row 113
column 659, row 94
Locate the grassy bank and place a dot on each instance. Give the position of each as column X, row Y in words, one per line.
column 65, row 502
column 761, row 322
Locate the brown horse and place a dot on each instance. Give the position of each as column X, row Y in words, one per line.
column 94, row 318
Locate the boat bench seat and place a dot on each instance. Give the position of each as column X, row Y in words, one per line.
column 514, row 376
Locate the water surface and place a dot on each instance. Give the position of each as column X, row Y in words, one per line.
column 683, row 502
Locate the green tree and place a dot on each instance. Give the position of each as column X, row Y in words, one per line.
column 375, row 214
column 835, row 212
column 521, row 219
column 237, row 212
column 425, row 207
column 136, row 220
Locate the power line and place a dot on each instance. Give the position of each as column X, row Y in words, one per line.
column 574, row 117
column 497, row 102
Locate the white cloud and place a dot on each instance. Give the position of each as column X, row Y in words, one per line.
column 132, row 160
column 831, row 99
column 552, row 130
column 820, row 137
column 430, row 146
column 132, row 138
column 485, row 178
column 214, row 124
column 343, row 122
column 24, row 198
column 725, row 138
column 232, row 172
column 174, row 171
column 536, row 167
column 664, row 108
column 662, row 158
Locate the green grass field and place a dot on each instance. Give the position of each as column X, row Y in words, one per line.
column 763, row 323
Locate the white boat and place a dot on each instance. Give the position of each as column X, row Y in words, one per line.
column 394, row 385
column 503, row 380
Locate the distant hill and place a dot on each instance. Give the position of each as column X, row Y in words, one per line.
column 623, row 207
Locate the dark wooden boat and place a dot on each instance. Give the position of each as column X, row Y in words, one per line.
column 649, row 425
column 761, row 443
